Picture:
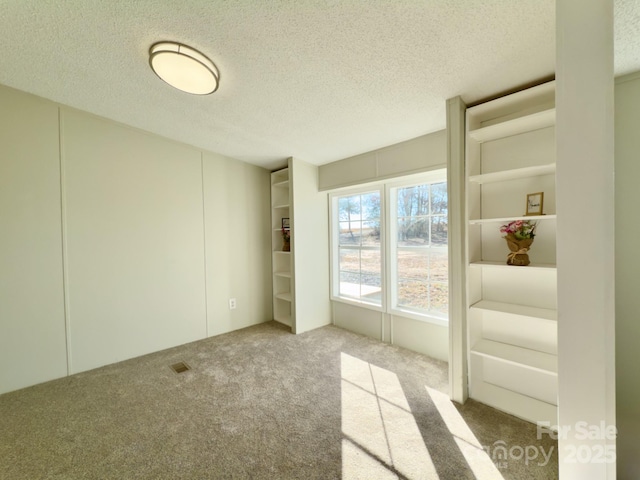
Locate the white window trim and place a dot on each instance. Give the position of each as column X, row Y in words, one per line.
column 435, row 176
column 385, row 253
column 334, row 267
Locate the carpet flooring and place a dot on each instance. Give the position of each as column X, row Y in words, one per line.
column 261, row 403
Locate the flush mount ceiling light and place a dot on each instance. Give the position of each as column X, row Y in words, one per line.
column 184, row 68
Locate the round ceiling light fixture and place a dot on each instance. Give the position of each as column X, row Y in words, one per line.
column 184, row 68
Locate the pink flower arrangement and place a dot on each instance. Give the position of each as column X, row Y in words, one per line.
column 286, row 234
column 520, row 229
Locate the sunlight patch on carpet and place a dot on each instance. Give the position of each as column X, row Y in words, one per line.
column 479, row 461
column 382, row 439
column 358, row 464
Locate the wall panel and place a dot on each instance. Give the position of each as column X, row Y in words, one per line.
column 127, row 210
column 422, row 337
column 133, row 219
column 238, row 232
column 421, row 154
column 32, row 324
column 310, row 247
column 357, row 319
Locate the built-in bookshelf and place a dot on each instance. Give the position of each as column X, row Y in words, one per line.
column 281, row 260
column 512, row 310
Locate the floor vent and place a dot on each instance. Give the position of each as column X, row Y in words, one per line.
column 180, row 367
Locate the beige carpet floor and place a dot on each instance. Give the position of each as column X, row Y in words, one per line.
column 261, row 403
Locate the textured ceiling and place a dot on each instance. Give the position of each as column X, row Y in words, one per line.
column 319, row 80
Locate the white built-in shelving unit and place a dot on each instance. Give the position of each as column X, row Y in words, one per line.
column 300, row 276
column 281, row 261
column 512, row 310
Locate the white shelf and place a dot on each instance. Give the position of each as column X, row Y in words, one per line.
column 514, row 174
column 282, row 274
column 280, row 177
column 523, row 99
column 480, row 221
column 531, row 359
column 532, row 266
column 282, row 205
column 282, row 252
column 283, row 183
column 284, row 296
column 527, row 123
column 285, row 320
column 515, row 403
column 519, row 310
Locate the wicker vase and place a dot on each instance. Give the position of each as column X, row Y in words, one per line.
column 519, row 248
column 286, row 245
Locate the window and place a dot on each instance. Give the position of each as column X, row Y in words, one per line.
column 419, row 252
column 406, row 275
column 359, row 251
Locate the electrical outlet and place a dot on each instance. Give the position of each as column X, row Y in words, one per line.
column 232, row 304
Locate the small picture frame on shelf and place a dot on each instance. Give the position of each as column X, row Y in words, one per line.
column 535, row 202
column 285, row 224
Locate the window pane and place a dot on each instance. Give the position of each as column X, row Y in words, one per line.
column 350, row 284
column 365, row 287
column 413, row 294
column 371, row 289
column 421, row 271
column 421, row 199
column 349, row 208
column 439, row 198
column 350, row 233
column 349, row 260
column 413, row 201
column 405, row 203
column 439, row 296
column 413, row 265
column 371, row 262
column 402, row 228
column 370, row 206
column 358, row 224
column 413, row 231
column 439, row 266
column 371, row 232
column 439, row 229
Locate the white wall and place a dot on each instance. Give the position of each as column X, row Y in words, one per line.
column 134, row 241
column 585, row 199
column 238, row 229
column 627, row 233
column 457, row 196
column 418, row 155
column 422, row 337
column 310, row 248
column 32, row 325
column 156, row 237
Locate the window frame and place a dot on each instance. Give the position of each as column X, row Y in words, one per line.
column 437, row 176
column 387, row 240
column 334, row 248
